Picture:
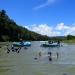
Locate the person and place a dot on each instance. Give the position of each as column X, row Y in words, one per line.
column 21, row 42
column 8, row 50
column 40, row 54
column 49, row 42
column 57, row 55
column 12, row 47
column 35, row 58
column 50, row 53
column 50, row 58
column 58, row 42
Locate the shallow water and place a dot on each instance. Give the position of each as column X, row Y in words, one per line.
column 23, row 63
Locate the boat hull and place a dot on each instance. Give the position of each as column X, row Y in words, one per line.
column 24, row 44
column 50, row 45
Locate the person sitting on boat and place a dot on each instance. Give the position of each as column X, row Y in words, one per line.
column 58, row 42
column 21, row 42
column 12, row 47
column 50, row 42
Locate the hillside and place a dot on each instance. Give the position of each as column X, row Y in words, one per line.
column 11, row 31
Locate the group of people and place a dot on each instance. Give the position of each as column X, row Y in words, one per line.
column 50, row 55
column 14, row 49
column 50, row 42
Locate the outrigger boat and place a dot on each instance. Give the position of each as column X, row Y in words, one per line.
column 27, row 44
column 51, row 45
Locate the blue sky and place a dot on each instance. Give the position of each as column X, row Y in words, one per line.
column 47, row 17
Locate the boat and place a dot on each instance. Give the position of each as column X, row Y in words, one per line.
column 22, row 44
column 51, row 45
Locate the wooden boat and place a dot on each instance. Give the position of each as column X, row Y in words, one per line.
column 22, row 44
column 50, row 45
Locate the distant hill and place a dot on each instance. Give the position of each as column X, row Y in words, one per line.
column 11, row 31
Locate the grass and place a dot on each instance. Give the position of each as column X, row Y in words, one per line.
column 3, row 44
column 4, row 70
column 69, row 41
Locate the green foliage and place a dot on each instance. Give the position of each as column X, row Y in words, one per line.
column 10, row 31
column 69, row 37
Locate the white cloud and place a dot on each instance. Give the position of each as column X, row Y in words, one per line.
column 62, row 26
column 48, row 2
column 70, row 30
column 43, row 29
column 66, row 29
column 58, row 30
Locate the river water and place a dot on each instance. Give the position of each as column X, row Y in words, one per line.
column 24, row 63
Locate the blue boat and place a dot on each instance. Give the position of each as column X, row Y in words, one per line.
column 22, row 44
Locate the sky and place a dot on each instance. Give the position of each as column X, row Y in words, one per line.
column 46, row 17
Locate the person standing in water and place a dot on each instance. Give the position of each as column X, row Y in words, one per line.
column 50, row 56
column 40, row 54
column 57, row 55
column 50, row 53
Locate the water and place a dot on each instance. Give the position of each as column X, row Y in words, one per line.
column 23, row 63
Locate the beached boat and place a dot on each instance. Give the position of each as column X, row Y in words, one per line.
column 22, row 44
column 50, row 45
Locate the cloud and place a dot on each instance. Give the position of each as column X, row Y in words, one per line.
column 48, row 2
column 61, row 26
column 66, row 29
column 43, row 29
column 70, row 31
column 59, row 30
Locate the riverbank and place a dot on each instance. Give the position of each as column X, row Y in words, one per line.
column 69, row 41
column 4, row 44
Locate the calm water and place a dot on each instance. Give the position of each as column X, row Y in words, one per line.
column 23, row 63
